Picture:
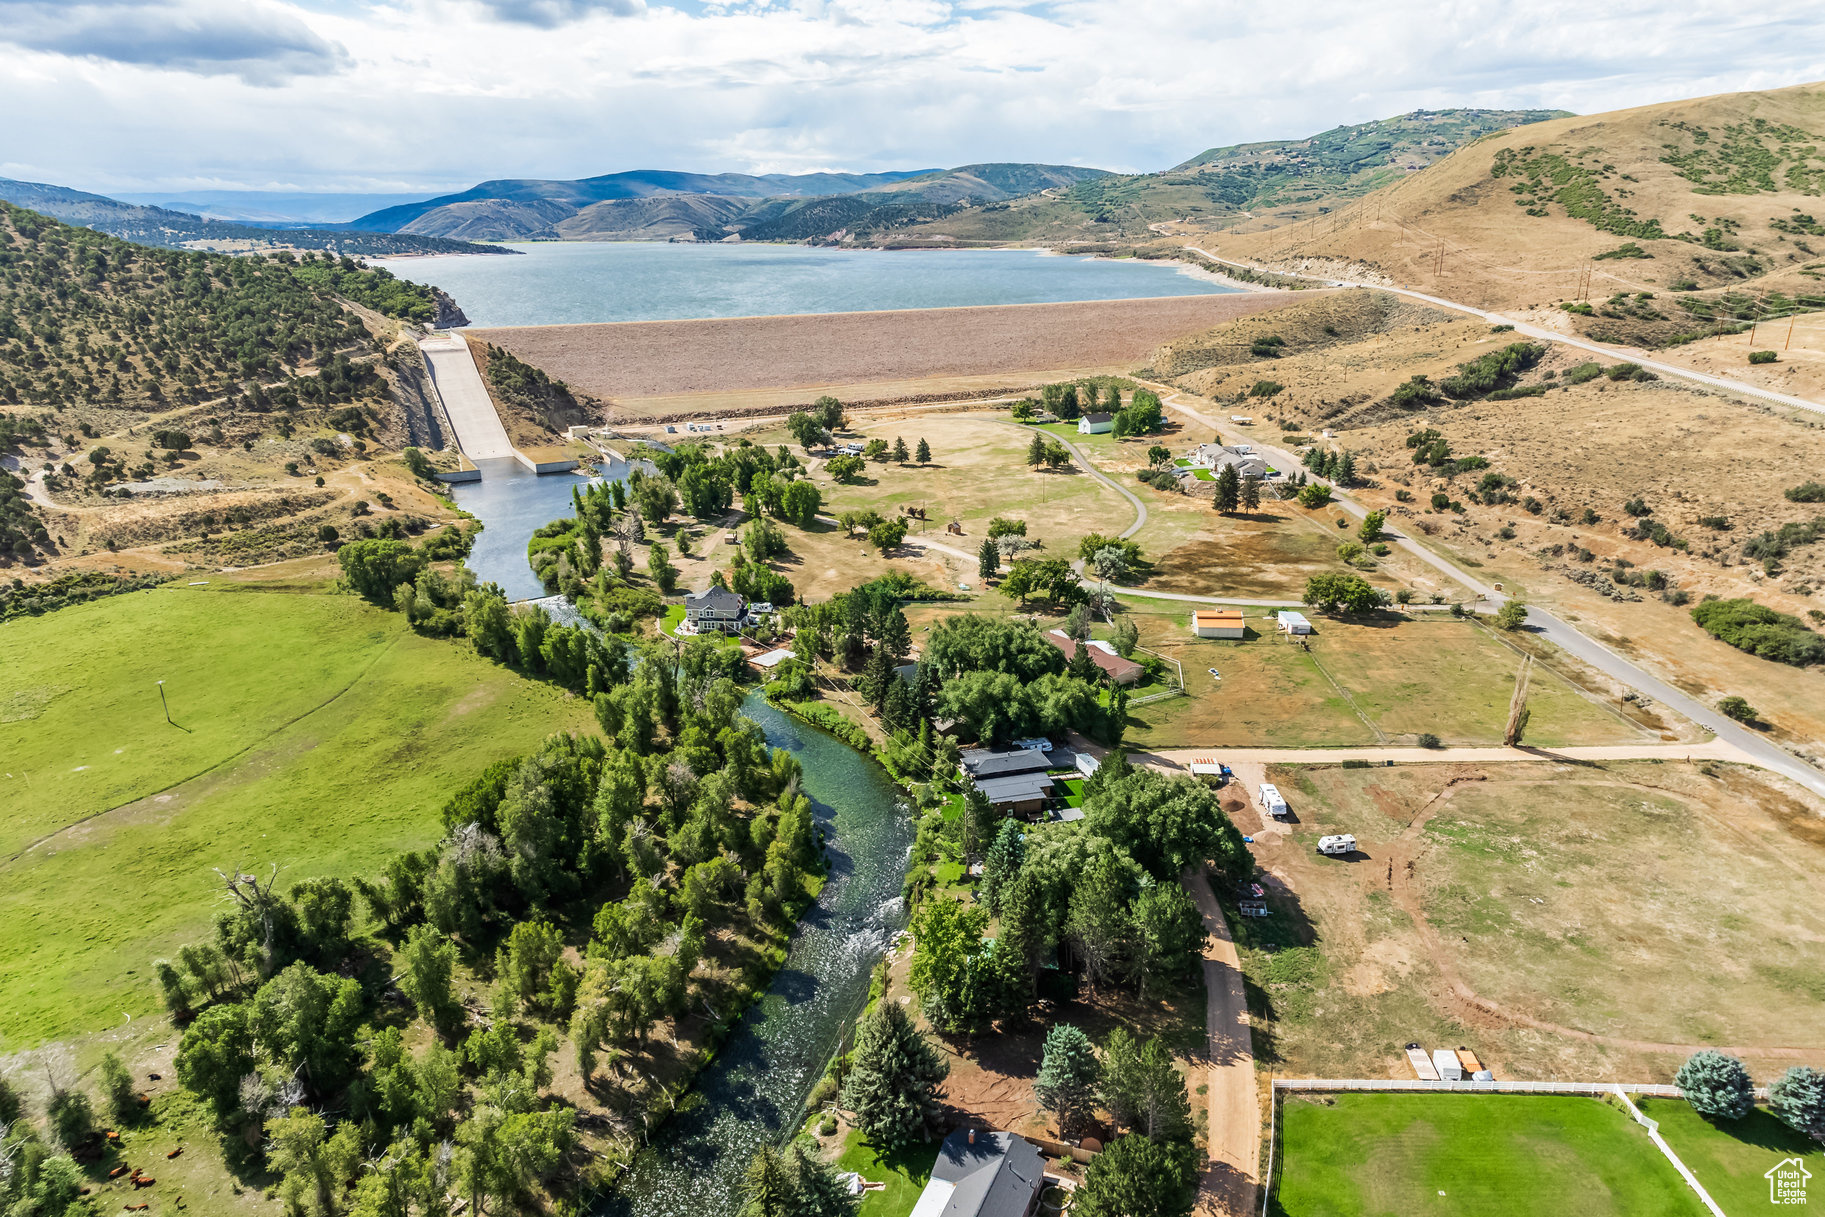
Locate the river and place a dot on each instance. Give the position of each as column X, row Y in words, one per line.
column 562, row 282
column 753, row 1092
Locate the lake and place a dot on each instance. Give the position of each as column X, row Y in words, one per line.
column 554, row 283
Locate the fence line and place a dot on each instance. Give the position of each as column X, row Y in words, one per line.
column 1653, row 1127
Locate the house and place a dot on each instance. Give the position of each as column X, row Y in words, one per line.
column 715, row 610
column 983, row 1174
column 1096, row 424
column 1247, row 462
column 981, row 763
column 1293, row 623
column 1218, row 623
column 1012, row 781
column 1120, row 671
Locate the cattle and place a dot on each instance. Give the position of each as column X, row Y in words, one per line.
column 136, row 1208
column 143, row 1181
column 117, row 1172
column 174, row 1153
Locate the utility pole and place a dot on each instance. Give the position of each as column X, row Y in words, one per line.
column 163, row 702
column 1790, row 319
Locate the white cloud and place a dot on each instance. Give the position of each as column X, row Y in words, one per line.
column 259, row 43
column 436, row 94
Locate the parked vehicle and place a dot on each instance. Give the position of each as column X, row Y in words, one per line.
column 1271, row 802
column 1343, row 843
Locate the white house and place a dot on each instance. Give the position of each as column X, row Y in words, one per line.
column 1214, row 457
column 1293, row 623
column 1095, row 424
column 715, row 610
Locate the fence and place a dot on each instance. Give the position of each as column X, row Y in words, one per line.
column 1650, row 1090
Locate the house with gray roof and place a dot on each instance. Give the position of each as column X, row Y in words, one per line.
column 715, row 609
column 983, row 1174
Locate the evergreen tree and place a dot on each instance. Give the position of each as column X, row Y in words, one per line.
column 899, row 450
column 1168, row 934
column 1251, row 492
column 1001, row 865
column 1345, row 473
column 1135, row 1177
column 1716, row 1085
column 1120, row 1090
column 923, row 453
column 1036, row 451
column 1229, row 489
column 1067, row 1076
column 1082, row 667
column 767, row 1186
column 1798, row 1098
column 893, row 1087
column 988, row 558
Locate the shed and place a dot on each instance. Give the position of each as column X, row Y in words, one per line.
column 1218, row 623
column 1087, row 764
column 771, row 659
column 1095, row 424
column 1293, row 623
column 1205, row 765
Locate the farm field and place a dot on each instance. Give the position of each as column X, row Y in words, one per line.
column 1729, row 1157
column 312, row 732
column 1364, row 1155
column 1563, row 920
column 1378, row 680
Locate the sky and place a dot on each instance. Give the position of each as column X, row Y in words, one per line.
column 434, row 95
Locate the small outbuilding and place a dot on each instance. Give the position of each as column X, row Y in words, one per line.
column 1096, row 424
column 1293, row 623
column 1445, row 1061
column 1218, row 623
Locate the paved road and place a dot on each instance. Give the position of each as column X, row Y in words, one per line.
column 472, row 414
column 1228, row 1188
column 1756, row 750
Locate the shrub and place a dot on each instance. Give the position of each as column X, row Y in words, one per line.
column 1583, row 372
column 1738, row 709
column 1314, row 495
column 1806, row 492
column 1762, row 356
column 1496, row 370
column 1715, row 523
column 1267, row 348
column 1429, row 740
column 1798, row 1099
column 1760, row 631
column 1716, row 1085
column 1265, row 388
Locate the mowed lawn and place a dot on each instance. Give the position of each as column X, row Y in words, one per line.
column 904, row 1171
column 312, row 732
column 1731, row 1157
column 1465, row 1155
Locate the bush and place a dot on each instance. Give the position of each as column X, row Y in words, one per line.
column 1717, row 1086
column 1265, row 388
column 1806, row 492
column 1762, row 357
column 1429, row 740
column 1760, row 631
column 1798, row 1099
column 1738, row 709
column 1583, row 372
column 1496, row 370
column 1314, row 495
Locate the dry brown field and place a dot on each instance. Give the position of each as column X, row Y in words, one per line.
column 653, row 366
column 1565, row 921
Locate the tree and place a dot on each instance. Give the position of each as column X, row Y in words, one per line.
column 888, row 534
column 1372, row 524
column 945, row 969
column 899, row 450
column 315, row 1166
column 800, row 503
column 1168, row 933
column 660, row 567
column 215, row 1053
column 875, row 450
column 806, row 429
column 1136, row 1177
column 893, row 1087
column 1165, row 824
column 1001, row 865
column 1512, row 615
column 1159, row 456
column 765, row 1186
column 988, row 560
column 1337, row 592
column 1126, row 637
column 1798, row 1098
column 1314, row 495
column 1738, row 708
column 923, row 453
column 830, row 413
column 1097, row 919
column 117, row 1091
column 1251, row 492
column 1067, row 1078
column 1229, row 489
column 1036, row 451
column 1717, row 1086
column 845, row 468
column 374, row 568
column 306, row 1021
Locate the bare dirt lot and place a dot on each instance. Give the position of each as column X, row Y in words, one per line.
column 1565, row 921
column 632, row 363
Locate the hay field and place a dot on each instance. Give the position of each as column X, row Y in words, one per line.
column 653, row 367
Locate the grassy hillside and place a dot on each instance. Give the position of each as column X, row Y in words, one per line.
column 126, row 369
column 1225, row 187
column 1711, row 200
column 310, row 731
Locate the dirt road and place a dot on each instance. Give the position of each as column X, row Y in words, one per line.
column 1228, row 1186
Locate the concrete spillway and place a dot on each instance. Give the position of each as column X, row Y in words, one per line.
column 471, row 411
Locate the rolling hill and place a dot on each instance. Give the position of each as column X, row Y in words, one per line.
column 159, row 226
column 1704, row 203
column 660, row 205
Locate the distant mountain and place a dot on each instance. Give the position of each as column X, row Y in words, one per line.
column 181, row 230
column 536, row 197
column 1227, row 186
column 658, row 204
column 282, row 208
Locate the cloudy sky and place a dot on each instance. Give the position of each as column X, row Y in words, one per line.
column 392, row 95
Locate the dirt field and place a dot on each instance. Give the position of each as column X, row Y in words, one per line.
column 1565, row 921
column 868, row 354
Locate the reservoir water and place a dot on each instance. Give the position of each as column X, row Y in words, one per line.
column 752, row 1093
column 561, row 282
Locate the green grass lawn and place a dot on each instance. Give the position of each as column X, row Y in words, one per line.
column 1730, row 1158
column 312, row 731
column 1369, row 1155
column 1074, row 791
column 903, row 1171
